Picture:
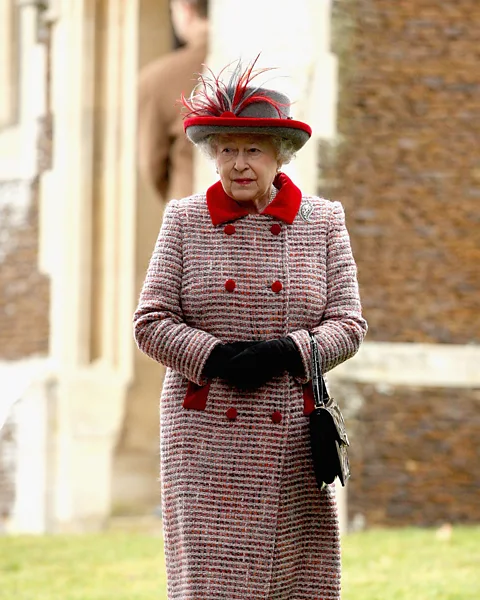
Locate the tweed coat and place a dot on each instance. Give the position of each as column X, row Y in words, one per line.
column 243, row 518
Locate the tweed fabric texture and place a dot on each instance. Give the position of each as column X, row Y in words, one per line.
column 243, row 517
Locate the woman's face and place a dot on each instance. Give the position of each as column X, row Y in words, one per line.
column 247, row 165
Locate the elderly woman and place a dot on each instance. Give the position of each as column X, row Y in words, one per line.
column 239, row 277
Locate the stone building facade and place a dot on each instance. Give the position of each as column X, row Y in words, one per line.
column 24, row 288
column 391, row 91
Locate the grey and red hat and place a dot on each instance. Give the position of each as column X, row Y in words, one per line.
column 237, row 106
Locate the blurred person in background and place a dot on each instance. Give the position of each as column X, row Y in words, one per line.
column 239, row 278
column 165, row 156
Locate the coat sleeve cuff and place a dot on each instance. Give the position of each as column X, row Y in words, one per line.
column 301, row 337
column 204, row 344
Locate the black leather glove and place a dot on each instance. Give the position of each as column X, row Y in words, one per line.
column 220, row 357
column 263, row 361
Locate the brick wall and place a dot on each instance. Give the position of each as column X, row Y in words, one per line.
column 407, row 167
column 24, row 292
column 415, row 455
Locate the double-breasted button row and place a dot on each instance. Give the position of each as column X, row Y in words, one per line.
column 230, row 285
column 232, row 414
column 230, row 229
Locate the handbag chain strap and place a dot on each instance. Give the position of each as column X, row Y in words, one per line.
column 320, row 392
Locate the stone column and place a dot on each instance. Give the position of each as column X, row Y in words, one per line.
column 8, row 62
column 88, row 249
column 18, row 120
column 99, row 227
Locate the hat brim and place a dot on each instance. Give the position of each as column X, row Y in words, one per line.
column 198, row 128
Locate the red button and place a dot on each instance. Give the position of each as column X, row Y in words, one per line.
column 276, row 416
column 275, row 229
column 230, row 285
column 232, row 413
column 229, row 229
column 277, row 286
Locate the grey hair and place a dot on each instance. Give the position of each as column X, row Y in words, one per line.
column 285, row 149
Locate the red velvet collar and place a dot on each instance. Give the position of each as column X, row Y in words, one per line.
column 284, row 206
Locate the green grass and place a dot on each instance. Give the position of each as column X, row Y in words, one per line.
column 405, row 564
column 112, row 566
column 412, row 564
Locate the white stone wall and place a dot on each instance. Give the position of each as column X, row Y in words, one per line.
column 8, row 63
column 25, row 425
column 15, row 197
column 23, row 383
column 18, row 136
column 430, row 365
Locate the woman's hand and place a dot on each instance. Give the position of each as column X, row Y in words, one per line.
column 263, row 361
column 220, row 357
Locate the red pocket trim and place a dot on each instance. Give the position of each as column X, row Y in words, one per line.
column 308, row 399
column 196, row 396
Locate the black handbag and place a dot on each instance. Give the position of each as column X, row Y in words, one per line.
column 328, row 435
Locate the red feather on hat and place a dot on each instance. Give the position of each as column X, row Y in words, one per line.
column 212, row 97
